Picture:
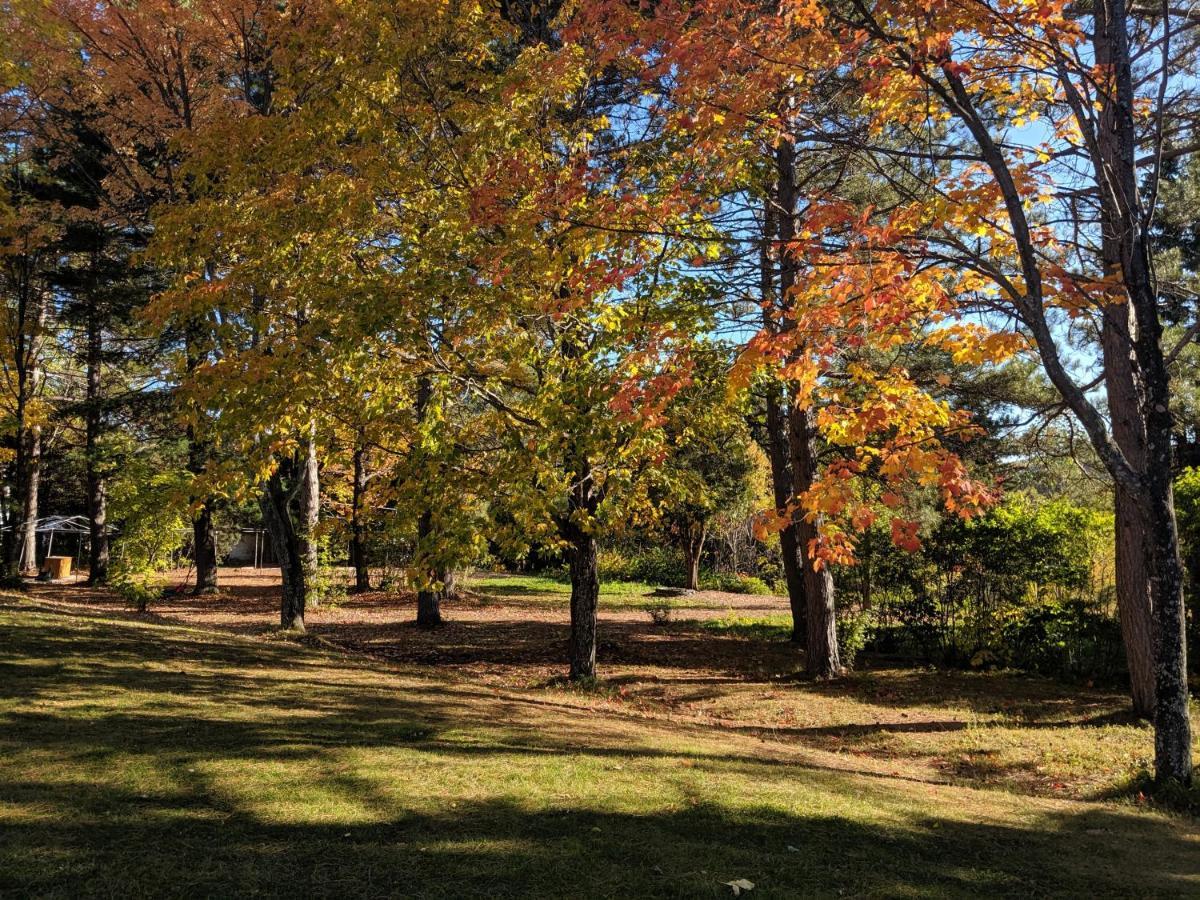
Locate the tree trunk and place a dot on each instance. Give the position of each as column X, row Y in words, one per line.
column 585, row 600
column 693, row 549
column 1126, row 241
column 285, row 541
column 309, row 503
column 204, row 549
column 776, row 441
column 358, row 537
column 1172, row 725
column 31, row 484
column 789, row 548
column 97, row 504
column 429, row 607
column 1133, row 578
column 31, row 320
column 204, row 534
column 822, row 659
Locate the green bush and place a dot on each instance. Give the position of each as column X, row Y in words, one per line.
column 1020, row 586
column 1065, row 640
column 138, row 589
column 655, row 565
column 854, row 630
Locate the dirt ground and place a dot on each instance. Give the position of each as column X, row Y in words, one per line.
column 517, row 636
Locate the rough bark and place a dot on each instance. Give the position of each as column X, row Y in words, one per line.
column 20, row 540
column 1126, row 226
column 275, row 504
column 358, row 535
column 585, row 600
column 204, row 549
column 776, row 442
column 693, row 549
column 1132, row 575
column 30, row 482
column 97, row 500
column 309, row 509
column 429, row 605
column 789, row 547
column 822, row 659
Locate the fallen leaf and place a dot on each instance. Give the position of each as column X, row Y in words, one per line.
column 738, row 885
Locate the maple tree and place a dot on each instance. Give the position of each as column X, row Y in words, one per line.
column 978, row 116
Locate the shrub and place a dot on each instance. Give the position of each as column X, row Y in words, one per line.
column 138, row 589
column 854, row 630
column 1064, row 640
column 656, row 565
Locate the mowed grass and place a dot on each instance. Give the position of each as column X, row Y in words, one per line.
column 150, row 760
column 546, row 591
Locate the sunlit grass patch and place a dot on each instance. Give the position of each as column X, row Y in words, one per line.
column 765, row 628
column 150, row 760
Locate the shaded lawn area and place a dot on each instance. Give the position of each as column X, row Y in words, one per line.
column 729, row 668
column 141, row 759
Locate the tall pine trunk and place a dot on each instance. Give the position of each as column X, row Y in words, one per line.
column 30, row 482
column 789, row 548
column 20, row 540
column 822, row 659
column 97, row 501
column 776, row 439
column 1132, row 575
column 358, row 537
column 1126, row 244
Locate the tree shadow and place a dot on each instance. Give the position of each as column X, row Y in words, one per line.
column 114, row 843
column 197, row 721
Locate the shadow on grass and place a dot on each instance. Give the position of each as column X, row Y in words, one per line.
column 122, row 775
column 105, row 842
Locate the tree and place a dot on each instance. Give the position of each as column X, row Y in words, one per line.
column 145, row 76
column 943, row 98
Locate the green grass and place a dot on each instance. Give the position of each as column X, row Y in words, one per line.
column 544, row 589
column 762, row 628
column 144, row 760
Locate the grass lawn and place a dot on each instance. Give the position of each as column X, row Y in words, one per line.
column 145, row 759
column 540, row 589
